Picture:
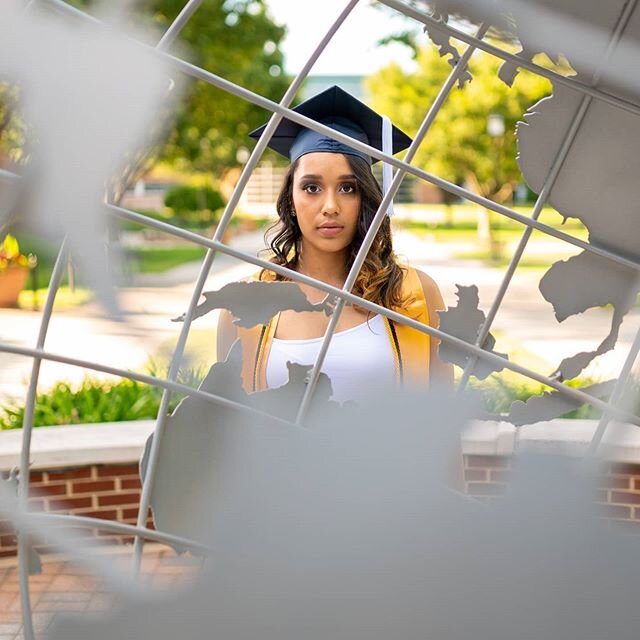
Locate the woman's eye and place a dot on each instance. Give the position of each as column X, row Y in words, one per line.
column 348, row 188
column 311, row 188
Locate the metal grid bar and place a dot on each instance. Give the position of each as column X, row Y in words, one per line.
column 27, row 427
column 119, row 527
column 549, row 182
column 176, row 26
column 8, row 175
column 66, row 543
column 446, row 88
column 145, row 497
column 616, row 396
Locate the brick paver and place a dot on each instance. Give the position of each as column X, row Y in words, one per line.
column 64, row 587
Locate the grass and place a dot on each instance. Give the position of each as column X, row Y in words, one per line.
column 428, row 220
column 469, row 233
column 541, row 263
column 160, row 259
column 461, row 216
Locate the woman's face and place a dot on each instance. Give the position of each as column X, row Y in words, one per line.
column 326, row 200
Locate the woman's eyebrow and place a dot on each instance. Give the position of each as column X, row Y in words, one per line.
column 313, row 176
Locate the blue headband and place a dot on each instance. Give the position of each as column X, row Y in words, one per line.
column 308, row 141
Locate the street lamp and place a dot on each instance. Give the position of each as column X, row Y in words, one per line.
column 496, row 129
column 495, row 125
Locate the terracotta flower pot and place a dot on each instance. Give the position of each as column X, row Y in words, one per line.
column 12, row 281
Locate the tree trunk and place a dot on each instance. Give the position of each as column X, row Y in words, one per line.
column 487, row 220
column 483, row 225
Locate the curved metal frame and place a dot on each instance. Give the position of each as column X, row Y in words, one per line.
column 611, row 410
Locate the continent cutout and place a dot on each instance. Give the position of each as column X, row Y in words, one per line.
column 552, row 404
column 464, row 321
column 572, row 29
column 191, row 458
column 255, row 303
column 443, row 43
column 597, row 185
column 347, row 531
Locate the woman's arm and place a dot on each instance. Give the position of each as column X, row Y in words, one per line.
column 226, row 335
column 442, row 372
column 439, row 371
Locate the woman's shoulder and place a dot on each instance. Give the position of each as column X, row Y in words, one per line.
column 413, row 277
column 428, row 283
column 432, row 293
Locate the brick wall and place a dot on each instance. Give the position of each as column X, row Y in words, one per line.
column 112, row 492
column 618, row 492
column 109, row 492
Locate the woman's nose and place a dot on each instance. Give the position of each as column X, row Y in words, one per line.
column 330, row 205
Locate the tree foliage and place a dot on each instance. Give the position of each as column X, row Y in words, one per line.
column 12, row 124
column 235, row 39
column 458, row 146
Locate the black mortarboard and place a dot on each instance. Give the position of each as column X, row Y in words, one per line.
column 339, row 110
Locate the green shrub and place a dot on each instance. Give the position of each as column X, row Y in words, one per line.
column 99, row 401
column 498, row 393
column 94, row 401
column 194, row 206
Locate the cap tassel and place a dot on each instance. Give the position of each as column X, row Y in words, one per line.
column 387, row 147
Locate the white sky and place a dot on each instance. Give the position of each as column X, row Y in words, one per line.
column 353, row 50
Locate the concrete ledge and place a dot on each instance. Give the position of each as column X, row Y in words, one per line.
column 123, row 442
column 621, row 442
column 78, row 445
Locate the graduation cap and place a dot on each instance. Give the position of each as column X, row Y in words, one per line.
column 339, row 110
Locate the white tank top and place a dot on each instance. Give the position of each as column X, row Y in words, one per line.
column 359, row 360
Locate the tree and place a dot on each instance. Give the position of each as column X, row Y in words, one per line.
column 12, row 125
column 237, row 40
column 458, row 146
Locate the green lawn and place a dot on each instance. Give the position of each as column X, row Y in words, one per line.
column 460, row 216
column 159, row 259
column 429, row 220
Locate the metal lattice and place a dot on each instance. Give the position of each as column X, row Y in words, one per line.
column 611, row 410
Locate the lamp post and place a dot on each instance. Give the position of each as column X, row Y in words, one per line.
column 496, row 129
column 495, row 125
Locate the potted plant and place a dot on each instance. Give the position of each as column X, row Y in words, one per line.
column 14, row 269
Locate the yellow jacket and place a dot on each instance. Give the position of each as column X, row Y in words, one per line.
column 411, row 348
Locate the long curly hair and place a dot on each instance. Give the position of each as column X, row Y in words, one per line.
column 380, row 278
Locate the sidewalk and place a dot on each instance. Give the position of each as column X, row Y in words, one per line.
column 65, row 588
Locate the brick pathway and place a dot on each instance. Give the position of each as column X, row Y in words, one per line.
column 64, row 587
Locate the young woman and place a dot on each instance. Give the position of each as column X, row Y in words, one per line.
column 326, row 205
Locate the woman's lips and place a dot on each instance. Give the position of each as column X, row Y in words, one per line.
column 330, row 230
